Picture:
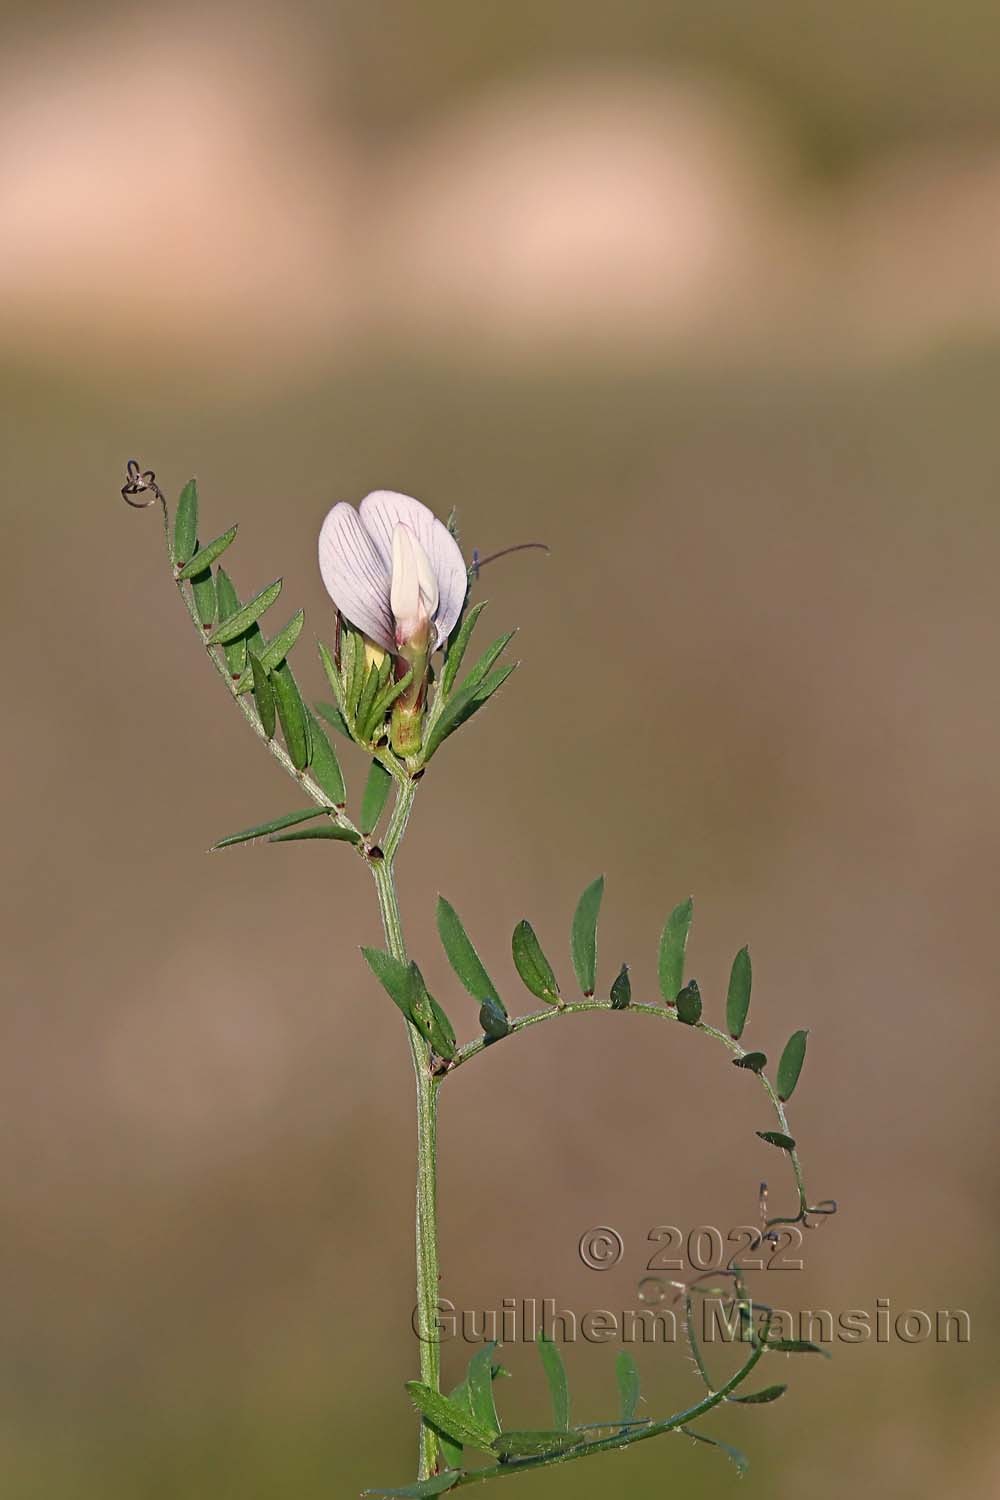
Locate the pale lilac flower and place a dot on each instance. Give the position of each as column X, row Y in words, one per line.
column 393, row 570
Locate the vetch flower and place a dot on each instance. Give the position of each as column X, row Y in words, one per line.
column 397, row 575
column 394, row 571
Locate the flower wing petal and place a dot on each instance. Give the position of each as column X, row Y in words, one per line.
column 382, row 511
column 355, row 574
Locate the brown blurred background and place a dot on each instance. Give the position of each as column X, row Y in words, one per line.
column 709, row 299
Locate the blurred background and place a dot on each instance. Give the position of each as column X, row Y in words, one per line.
column 705, row 297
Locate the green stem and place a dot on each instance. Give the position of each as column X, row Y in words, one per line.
column 426, row 1088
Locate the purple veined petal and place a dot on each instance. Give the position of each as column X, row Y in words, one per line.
column 355, row 575
column 382, row 511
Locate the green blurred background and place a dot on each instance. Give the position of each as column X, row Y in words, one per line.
column 707, row 297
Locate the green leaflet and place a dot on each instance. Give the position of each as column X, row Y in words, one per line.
column 738, row 995
column 493, row 1019
column 229, row 602
column 207, row 555
column 621, row 990
column 373, row 685
column 203, row 593
column 479, row 1380
column 336, row 685
column 798, row 1346
column 324, row 765
column 734, row 1455
column 478, row 687
column 462, row 955
column 457, row 647
column 331, row 713
column 440, row 1031
column 438, row 1484
column 261, row 830
column 776, row 1138
column 292, row 714
column 451, row 1451
column 263, row 694
column 461, row 709
column 688, row 1003
column 529, row 1444
column 324, row 831
column 274, row 652
column 531, row 964
column 673, row 944
column 395, row 977
column 450, row 1418
column 479, row 672
column 247, row 615
column 555, row 1375
column 374, row 797
column 583, row 937
column 384, row 699
column 352, row 657
column 627, row 1374
column 404, row 984
column 186, row 524
column 461, row 1395
column 761, row 1397
column 755, row 1061
column 790, row 1065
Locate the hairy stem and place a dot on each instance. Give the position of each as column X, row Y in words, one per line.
column 426, row 1089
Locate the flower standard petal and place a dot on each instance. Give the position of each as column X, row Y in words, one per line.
column 382, row 511
column 355, row 574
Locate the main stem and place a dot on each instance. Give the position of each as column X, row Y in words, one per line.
column 426, row 1086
